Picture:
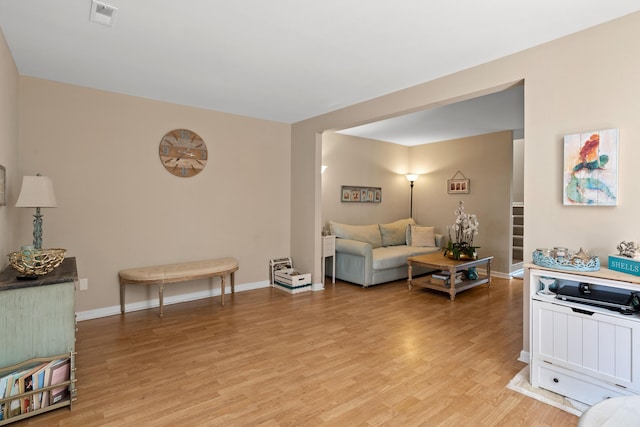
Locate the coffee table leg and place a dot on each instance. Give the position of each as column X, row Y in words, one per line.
column 410, row 277
column 489, row 273
column 452, row 283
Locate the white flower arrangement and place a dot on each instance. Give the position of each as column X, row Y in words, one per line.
column 465, row 229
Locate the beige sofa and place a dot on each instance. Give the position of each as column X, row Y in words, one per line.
column 377, row 253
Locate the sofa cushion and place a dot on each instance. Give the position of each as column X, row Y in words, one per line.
column 395, row 233
column 362, row 233
column 396, row 256
column 422, row 250
column 422, row 236
column 390, row 257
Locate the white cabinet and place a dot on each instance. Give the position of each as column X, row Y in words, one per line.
column 37, row 318
column 582, row 351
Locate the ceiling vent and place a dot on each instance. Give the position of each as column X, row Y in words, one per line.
column 102, row 13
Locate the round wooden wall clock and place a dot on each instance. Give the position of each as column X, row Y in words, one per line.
column 183, row 152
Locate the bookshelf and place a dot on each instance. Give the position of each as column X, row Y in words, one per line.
column 37, row 319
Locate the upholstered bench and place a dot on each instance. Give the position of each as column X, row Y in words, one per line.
column 180, row 272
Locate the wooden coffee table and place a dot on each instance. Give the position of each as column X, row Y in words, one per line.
column 439, row 261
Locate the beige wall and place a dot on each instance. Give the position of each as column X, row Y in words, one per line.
column 517, row 187
column 585, row 81
column 8, row 147
column 119, row 207
column 485, row 159
column 369, row 163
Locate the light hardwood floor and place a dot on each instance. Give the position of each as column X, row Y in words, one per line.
column 343, row 357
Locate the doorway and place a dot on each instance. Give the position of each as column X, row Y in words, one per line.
column 517, row 207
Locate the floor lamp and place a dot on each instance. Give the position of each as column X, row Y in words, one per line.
column 411, row 178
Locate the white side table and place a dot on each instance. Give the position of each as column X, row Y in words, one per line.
column 329, row 250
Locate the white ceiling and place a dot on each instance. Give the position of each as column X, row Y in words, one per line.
column 485, row 114
column 280, row 60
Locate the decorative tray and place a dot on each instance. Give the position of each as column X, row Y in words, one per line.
column 571, row 264
column 37, row 262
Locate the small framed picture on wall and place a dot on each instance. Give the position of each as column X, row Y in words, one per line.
column 351, row 193
column 455, row 186
column 346, row 195
column 458, row 184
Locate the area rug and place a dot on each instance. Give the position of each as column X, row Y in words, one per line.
column 520, row 383
column 518, row 274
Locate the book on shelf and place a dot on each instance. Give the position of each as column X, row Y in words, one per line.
column 60, row 372
column 459, row 274
column 3, row 388
column 439, row 280
column 38, row 383
column 15, row 383
column 26, row 385
column 12, row 407
column 443, row 278
column 44, row 399
column 6, row 393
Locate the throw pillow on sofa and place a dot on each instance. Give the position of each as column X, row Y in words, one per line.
column 395, row 233
column 422, row 236
column 362, row 233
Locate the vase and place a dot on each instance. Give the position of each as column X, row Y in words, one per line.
column 461, row 257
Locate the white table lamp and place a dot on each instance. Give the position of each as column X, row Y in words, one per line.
column 37, row 192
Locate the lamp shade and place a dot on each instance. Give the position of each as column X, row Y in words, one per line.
column 36, row 192
column 411, row 177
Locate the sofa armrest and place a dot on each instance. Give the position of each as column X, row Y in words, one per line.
column 354, row 247
column 354, row 261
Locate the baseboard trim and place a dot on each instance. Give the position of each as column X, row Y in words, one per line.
column 154, row 303
column 500, row 275
column 176, row 299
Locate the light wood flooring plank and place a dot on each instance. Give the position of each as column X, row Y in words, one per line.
column 347, row 356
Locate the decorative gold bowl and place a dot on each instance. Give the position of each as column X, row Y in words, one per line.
column 37, row 262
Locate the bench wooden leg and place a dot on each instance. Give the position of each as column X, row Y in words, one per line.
column 222, row 290
column 121, row 296
column 161, row 302
column 233, row 282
